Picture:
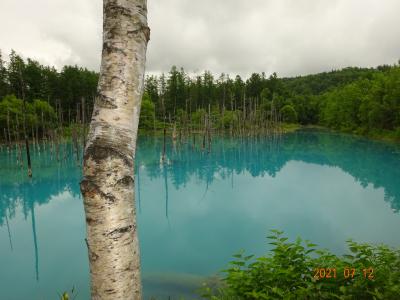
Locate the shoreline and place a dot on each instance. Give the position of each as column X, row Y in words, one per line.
column 387, row 137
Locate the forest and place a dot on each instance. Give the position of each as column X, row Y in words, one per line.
column 364, row 101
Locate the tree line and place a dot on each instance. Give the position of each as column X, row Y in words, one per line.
column 52, row 97
column 360, row 100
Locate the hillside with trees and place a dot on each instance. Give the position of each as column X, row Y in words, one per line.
column 355, row 100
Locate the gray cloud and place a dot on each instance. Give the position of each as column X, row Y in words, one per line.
column 291, row 37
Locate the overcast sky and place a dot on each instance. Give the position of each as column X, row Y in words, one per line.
column 290, row 37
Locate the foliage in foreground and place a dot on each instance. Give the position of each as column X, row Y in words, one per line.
column 69, row 296
column 293, row 270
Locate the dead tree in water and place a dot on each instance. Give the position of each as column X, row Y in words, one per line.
column 17, row 144
column 5, row 138
column 83, row 124
column 164, row 141
column 75, row 142
column 28, row 155
column 204, row 132
column 174, row 132
column 8, row 129
column 209, row 128
column 43, row 127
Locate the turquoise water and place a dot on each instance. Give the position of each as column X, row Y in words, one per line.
column 198, row 209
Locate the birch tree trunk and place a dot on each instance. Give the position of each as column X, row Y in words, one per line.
column 108, row 174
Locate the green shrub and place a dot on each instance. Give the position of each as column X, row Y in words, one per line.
column 292, row 270
column 230, row 118
column 198, row 116
column 397, row 133
column 289, row 114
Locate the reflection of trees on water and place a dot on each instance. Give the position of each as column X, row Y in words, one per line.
column 52, row 177
column 18, row 191
column 35, row 243
column 9, row 232
column 368, row 162
column 165, row 174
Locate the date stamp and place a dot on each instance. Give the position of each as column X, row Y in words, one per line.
column 346, row 273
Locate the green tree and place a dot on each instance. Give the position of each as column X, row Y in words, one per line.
column 289, row 114
column 147, row 113
column 4, row 87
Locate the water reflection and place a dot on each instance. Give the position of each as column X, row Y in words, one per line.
column 21, row 196
column 367, row 162
column 51, row 177
column 212, row 204
column 9, row 232
column 35, row 241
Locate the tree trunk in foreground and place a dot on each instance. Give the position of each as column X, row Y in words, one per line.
column 108, row 174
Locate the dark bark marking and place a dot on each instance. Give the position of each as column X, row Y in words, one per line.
column 109, row 48
column 90, row 189
column 106, row 102
column 92, row 255
column 114, row 9
column 117, row 233
column 119, row 78
column 95, row 114
column 109, row 197
column 89, row 220
column 99, row 153
column 126, row 180
column 145, row 29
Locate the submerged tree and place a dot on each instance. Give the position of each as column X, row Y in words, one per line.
column 108, row 183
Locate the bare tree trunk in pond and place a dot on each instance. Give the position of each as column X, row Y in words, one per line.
column 209, row 128
column 43, row 126
column 8, row 129
column 164, row 141
column 108, row 182
column 83, row 123
column 6, row 139
column 28, row 155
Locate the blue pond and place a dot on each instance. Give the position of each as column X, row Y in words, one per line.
column 199, row 208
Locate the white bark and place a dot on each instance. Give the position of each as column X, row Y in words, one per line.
column 108, row 183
